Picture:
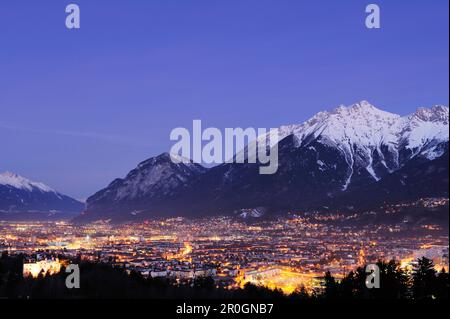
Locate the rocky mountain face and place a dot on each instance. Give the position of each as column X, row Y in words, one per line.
column 151, row 184
column 417, row 179
column 20, row 195
column 335, row 155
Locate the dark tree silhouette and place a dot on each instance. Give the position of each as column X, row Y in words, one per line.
column 301, row 293
column 204, row 282
column 253, row 291
column 330, row 287
column 394, row 281
column 442, row 285
column 424, row 279
column 347, row 287
column 101, row 280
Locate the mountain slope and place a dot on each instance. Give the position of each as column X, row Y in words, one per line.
column 146, row 188
column 332, row 155
column 19, row 195
column 417, row 179
column 373, row 142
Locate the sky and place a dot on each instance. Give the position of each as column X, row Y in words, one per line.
column 79, row 108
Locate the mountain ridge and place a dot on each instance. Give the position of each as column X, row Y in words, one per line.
column 332, row 153
column 21, row 195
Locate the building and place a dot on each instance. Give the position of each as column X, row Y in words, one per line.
column 44, row 267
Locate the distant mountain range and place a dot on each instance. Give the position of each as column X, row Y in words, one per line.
column 351, row 157
column 21, row 197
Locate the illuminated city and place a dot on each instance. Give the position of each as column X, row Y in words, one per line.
column 284, row 252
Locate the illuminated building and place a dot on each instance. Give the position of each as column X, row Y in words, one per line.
column 43, row 267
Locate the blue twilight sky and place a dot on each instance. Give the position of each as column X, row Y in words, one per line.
column 79, row 108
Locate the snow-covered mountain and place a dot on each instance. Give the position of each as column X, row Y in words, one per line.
column 19, row 182
column 20, row 195
column 152, row 181
column 327, row 157
column 373, row 140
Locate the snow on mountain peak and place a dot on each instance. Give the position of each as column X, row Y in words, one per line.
column 155, row 176
column 167, row 157
column 360, row 107
column 360, row 123
column 426, row 127
column 437, row 113
column 369, row 137
column 364, row 124
column 19, row 182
